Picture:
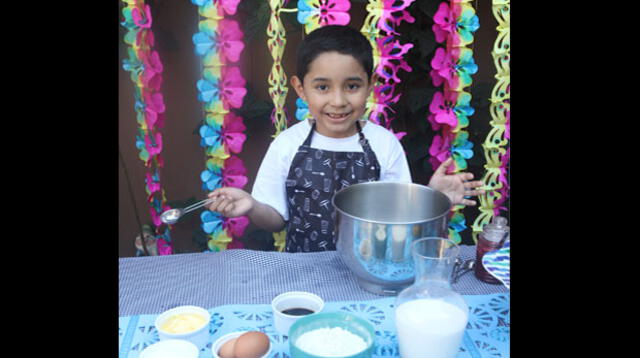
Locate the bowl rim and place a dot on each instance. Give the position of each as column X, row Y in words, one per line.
column 168, row 313
column 224, row 338
column 172, row 341
column 373, row 183
column 299, row 294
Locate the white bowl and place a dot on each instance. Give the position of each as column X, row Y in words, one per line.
column 215, row 347
column 199, row 336
column 171, row 348
column 293, row 299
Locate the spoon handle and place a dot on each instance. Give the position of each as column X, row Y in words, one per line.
column 198, row 205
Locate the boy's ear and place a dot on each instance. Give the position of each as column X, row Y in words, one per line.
column 297, row 85
column 373, row 81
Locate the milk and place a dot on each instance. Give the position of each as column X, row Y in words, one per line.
column 429, row 328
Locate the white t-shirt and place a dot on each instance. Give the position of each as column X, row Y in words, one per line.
column 269, row 186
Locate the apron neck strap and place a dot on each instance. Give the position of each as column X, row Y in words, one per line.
column 307, row 141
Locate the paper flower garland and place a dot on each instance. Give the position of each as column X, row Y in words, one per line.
column 497, row 156
column 452, row 67
column 380, row 28
column 221, row 89
column 145, row 69
column 316, row 13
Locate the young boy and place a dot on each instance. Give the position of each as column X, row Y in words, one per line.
column 307, row 163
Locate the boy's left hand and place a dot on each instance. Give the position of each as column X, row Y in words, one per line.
column 455, row 186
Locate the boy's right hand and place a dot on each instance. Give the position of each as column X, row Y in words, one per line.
column 231, row 202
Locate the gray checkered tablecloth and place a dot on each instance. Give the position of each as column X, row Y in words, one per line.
column 150, row 285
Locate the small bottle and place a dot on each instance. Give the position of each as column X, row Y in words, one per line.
column 490, row 239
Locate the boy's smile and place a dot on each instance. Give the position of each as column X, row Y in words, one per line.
column 336, row 89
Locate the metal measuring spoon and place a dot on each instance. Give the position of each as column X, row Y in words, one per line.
column 172, row 216
column 462, row 268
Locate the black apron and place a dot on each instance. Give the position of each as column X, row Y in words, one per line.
column 314, row 176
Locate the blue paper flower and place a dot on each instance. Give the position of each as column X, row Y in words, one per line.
column 209, row 90
column 210, row 135
column 461, row 149
column 211, row 178
column 302, row 111
column 457, row 222
column 211, row 221
column 204, row 42
column 201, row 2
column 463, row 109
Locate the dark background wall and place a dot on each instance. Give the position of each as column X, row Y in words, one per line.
column 174, row 23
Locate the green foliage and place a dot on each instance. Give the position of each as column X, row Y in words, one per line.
column 252, row 107
column 257, row 13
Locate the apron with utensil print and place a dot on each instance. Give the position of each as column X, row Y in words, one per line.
column 314, row 176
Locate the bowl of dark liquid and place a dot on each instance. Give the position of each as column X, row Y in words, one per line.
column 288, row 307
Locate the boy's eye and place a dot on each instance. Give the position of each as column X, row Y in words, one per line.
column 322, row 87
column 353, row 86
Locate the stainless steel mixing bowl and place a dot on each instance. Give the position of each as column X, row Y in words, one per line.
column 376, row 222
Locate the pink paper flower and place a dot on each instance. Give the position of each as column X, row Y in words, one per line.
column 150, row 117
column 226, row 7
column 384, row 98
column 152, row 73
column 234, row 173
column 391, row 58
column 232, row 87
column 507, row 125
column 235, row 244
column 235, row 226
column 504, row 191
column 443, row 67
column 143, row 20
column 442, row 107
column 398, row 135
column 440, row 149
column 154, row 104
column 393, row 13
column 145, row 38
column 153, row 183
column 230, row 39
column 163, row 247
column 232, row 135
column 444, row 22
column 154, row 101
column 154, row 147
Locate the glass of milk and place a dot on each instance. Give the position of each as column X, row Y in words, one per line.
column 430, row 317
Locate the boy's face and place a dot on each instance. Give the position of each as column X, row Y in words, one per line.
column 336, row 89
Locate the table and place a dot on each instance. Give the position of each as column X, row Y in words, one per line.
column 231, row 281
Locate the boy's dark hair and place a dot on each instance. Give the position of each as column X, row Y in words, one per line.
column 342, row 39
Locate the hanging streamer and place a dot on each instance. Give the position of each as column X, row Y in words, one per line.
column 277, row 78
column 495, row 145
column 278, row 89
column 221, row 89
column 145, row 69
column 380, row 28
column 452, row 67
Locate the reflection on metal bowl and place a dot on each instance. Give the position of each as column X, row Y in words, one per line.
column 376, row 222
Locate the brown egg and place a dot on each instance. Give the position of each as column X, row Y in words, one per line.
column 226, row 351
column 251, row 344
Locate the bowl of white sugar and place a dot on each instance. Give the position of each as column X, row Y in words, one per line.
column 331, row 334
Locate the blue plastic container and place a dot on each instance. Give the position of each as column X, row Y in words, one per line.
column 346, row 321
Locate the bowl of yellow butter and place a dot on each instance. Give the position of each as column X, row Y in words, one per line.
column 190, row 323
